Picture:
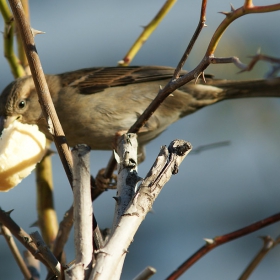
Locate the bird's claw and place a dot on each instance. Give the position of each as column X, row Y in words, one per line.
column 105, row 183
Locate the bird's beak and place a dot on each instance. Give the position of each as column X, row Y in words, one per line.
column 6, row 121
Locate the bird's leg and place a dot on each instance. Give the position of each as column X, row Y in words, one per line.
column 141, row 154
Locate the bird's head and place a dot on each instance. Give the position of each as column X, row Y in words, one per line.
column 19, row 101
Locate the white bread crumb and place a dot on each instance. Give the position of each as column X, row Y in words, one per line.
column 22, row 146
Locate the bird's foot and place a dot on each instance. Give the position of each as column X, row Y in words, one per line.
column 103, row 183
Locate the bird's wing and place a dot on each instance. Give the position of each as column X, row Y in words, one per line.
column 94, row 80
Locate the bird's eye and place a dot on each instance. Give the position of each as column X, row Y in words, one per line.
column 21, row 104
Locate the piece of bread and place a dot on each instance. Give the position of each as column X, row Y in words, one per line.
column 22, row 146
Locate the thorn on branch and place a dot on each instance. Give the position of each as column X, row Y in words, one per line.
column 258, row 57
column 268, row 242
column 227, row 14
column 8, row 213
column 35, row 224
column 36, row 32
column 9, row 27
column 117, row 199
column 248, row 4
column 209, row 241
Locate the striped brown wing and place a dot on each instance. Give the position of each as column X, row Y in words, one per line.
column 94, row 80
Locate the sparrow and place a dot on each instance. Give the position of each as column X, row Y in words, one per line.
column 94, row 104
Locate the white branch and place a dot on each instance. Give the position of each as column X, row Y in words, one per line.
column 167, row 163
column 46, row 252
column 82, row 209
column 126, row 158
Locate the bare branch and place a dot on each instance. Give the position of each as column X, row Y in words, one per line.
column 21, row 235
column 63, row 233
column 82, row 205
column 20, row 47
column 165, row 165
column 247, row 8
column 8, row 36
column 127, row 174
column 148, row 30
column 14, row 249
column 199, row 28
column 196, row 72
column 268, row 244
column 258, row 57
column 42, row 88
column 212, row 243
column 46, row 252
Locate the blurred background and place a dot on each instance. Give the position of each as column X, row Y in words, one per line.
column 215, row 192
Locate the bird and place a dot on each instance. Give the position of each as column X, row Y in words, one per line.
column 94, row 104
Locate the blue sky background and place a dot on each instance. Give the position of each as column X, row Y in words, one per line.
column 215, row 192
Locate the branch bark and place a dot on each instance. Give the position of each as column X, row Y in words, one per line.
column 82, row 208
column 42, row 88
column 166, row 164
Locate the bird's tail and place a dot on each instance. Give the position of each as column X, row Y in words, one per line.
column 245, row 89
column 201, row 94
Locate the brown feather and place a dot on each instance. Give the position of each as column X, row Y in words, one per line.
column 93, row 80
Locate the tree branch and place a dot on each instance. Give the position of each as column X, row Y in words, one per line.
column 219, row 240
column 42, row 88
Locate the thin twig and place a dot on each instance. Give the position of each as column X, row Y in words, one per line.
column 62, row 236
column 21, row 53
column 14, row 249
column 21, row 235
column 148, row 30
column 268, row 244
column 212, row 243
column 63, row 233
column 8, row 36
column 233, row 59
column 258, row 57
column 247, row 8
column 199, row 28
column 53, row 263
